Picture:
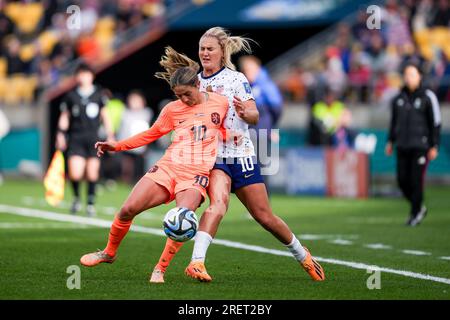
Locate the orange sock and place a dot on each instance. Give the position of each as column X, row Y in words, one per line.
column 119, row 229
column 168, row 253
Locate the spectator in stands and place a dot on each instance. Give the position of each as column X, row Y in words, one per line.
column 14, row 62
column 442, row 15
column 326, row 117
column 267, row 95
column 359, row 74
column 6, row 25
column 344, row 137
column 269, row 103
column 360, row 30
column 136, row 118
column 422, row 18
column 397, row 26
column 334, row 73
column 47, row 73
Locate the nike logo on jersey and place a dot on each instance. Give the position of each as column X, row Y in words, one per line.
column 248, row 175
column 181, row 121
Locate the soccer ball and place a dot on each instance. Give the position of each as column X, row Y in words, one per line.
column 180, row 224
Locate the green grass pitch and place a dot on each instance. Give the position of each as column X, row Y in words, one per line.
column 35, row 252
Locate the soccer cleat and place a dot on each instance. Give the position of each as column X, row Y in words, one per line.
column 313, row 268
column 197, row 270
column 419, row 217
column 76, row 206
column 90, row 210
column 157, row 276
column 410, row 220
column 95, row 258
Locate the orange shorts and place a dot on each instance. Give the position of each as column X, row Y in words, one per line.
column 178, row 178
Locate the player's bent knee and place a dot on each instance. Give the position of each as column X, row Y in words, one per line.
column 217, row 210
column 127, row 212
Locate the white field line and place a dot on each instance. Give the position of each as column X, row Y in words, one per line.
column 416, row 252
column 377, row 246
column 341, row 242
column 42, row 225
column 27, row 212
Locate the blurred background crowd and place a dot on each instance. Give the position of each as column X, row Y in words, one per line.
column 39, row 38
column 364, row 65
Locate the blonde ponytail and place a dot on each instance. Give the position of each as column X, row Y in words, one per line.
column 229, row 44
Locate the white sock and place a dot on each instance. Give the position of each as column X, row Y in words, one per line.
column 202, row 242
column 296, row 248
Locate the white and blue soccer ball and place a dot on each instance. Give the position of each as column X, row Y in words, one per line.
column 180, row 224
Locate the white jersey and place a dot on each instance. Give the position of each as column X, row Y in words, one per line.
column 231, row 83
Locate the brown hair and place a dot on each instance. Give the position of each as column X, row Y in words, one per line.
column 180, row 69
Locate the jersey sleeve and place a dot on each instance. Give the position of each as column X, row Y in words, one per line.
column 242, row 88
column 434, row 118
column 162, row 126
column 391, row 132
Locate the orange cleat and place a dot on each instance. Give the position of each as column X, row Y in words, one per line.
column 313, row 268
column 157, row 276
column 197, row 270
column 95, row 258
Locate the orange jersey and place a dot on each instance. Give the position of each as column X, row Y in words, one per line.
column 196, row 132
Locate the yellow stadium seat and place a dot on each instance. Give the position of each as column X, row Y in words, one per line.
column 12, row 10
column 12, row 90
column 3, row 88
column 47, row 41
column 440, row 36
column 25, row 15
column 422, row 37
column 27, row 52
column 3, row 67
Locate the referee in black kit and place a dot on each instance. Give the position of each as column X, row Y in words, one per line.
column 82, row 111
column 414, row 130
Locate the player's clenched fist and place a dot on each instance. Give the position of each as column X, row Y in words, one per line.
column 239, row 106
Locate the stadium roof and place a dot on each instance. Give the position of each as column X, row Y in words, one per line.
column 268, row 13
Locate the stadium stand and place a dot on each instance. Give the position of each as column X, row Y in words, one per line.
column 36, row 45
column 364, row 65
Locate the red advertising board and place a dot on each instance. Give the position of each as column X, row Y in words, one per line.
column 347, row 173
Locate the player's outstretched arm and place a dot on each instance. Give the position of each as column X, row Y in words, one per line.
column 162, row 126
column 103, row 146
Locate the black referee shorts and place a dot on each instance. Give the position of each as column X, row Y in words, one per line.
column 82, row 145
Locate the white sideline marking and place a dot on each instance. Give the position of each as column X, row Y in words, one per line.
column 377, row 246
column 27, row 212
column 416, row 252
column 307, row 236
column 341, row 242
column 444, row 258
column 41, row 225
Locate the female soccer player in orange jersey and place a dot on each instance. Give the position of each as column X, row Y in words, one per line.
column 236, row 168
column 183, row 172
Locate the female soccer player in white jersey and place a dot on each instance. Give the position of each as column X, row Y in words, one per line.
column 236, row 168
